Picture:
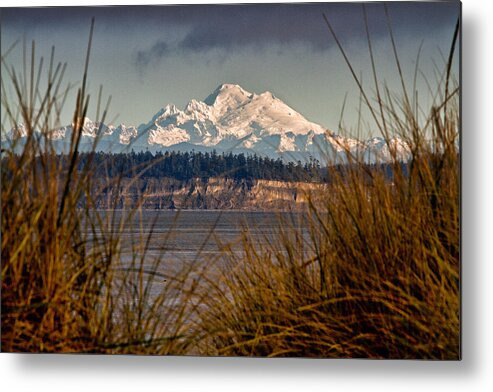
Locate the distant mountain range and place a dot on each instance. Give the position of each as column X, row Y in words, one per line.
column 229, row 119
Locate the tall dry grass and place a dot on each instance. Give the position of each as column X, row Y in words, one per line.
column 382, row 275
column 376, row 275
column 69, row 284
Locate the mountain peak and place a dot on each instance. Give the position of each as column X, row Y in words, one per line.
column 231, row 87
column 229, row 94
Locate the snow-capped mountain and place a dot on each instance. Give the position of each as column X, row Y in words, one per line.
column 229, row 119
column 229, row 113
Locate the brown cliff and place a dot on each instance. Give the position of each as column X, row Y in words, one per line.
column 211, row 193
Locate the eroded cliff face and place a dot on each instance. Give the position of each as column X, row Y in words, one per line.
column 211, row 193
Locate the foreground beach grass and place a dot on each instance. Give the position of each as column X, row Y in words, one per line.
column 383, row 280
column 379, row 276
column 66, row 285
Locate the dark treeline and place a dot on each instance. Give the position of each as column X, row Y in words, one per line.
column 188, row 165
column 184, row 166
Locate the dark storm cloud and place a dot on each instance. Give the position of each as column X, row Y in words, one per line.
column 234, row 27
column 158, row 50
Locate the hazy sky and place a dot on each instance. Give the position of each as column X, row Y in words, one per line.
column 149, row 56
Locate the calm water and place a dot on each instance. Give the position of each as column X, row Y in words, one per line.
column 184, row 239
column 198, row 234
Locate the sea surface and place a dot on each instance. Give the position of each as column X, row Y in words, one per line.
column 194, row 235
column 173, row 250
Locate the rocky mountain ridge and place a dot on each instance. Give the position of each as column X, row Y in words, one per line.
column 229, row 119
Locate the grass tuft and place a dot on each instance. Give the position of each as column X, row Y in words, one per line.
column 382, row 275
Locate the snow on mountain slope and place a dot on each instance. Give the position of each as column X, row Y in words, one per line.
column 230, row 119
column 378, row 149
column 228, row 96
column 125, row 133
column 229, row 112
column 264, row 114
